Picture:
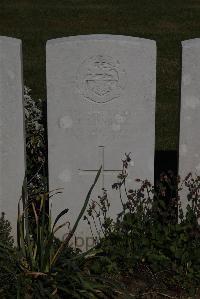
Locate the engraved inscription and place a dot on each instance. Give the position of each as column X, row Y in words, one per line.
column 101, row 79
column 104, row 126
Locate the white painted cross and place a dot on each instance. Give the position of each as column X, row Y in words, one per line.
column 102, row 163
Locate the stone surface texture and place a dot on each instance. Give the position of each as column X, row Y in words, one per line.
column 101, row 105
column 12, row 149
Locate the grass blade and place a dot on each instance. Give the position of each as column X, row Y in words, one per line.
column 66, row 241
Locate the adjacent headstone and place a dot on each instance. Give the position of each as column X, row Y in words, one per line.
column 101, row 105
column 189, row 144
column 12, row 156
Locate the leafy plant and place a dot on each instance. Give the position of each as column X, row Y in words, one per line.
column 147, row 234
column 5, row 230
column 35, row 144
column 49, row 267
column 8, row 270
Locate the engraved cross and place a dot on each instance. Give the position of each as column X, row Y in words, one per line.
column 103, row 171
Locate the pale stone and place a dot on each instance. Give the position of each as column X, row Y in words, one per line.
column 183, row 149
column 12, row 145
column 190, row 111
column 101, row 105
column 66, row 122
column 186, row 79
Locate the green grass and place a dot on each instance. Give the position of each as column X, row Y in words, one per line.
column 166, row 21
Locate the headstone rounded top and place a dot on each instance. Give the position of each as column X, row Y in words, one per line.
column 191, row 43
column 10, row 40
column 103, row 37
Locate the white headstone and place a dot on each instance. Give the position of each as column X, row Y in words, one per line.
column 12, row 156
column 189, row 144
column 101, row 105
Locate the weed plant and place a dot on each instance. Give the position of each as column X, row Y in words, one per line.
column 8, row 269
column 152, row 235
column 42, row 266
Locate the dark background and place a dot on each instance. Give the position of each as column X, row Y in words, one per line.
column 168, row 22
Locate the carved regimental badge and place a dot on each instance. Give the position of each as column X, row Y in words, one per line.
column 100, row 79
